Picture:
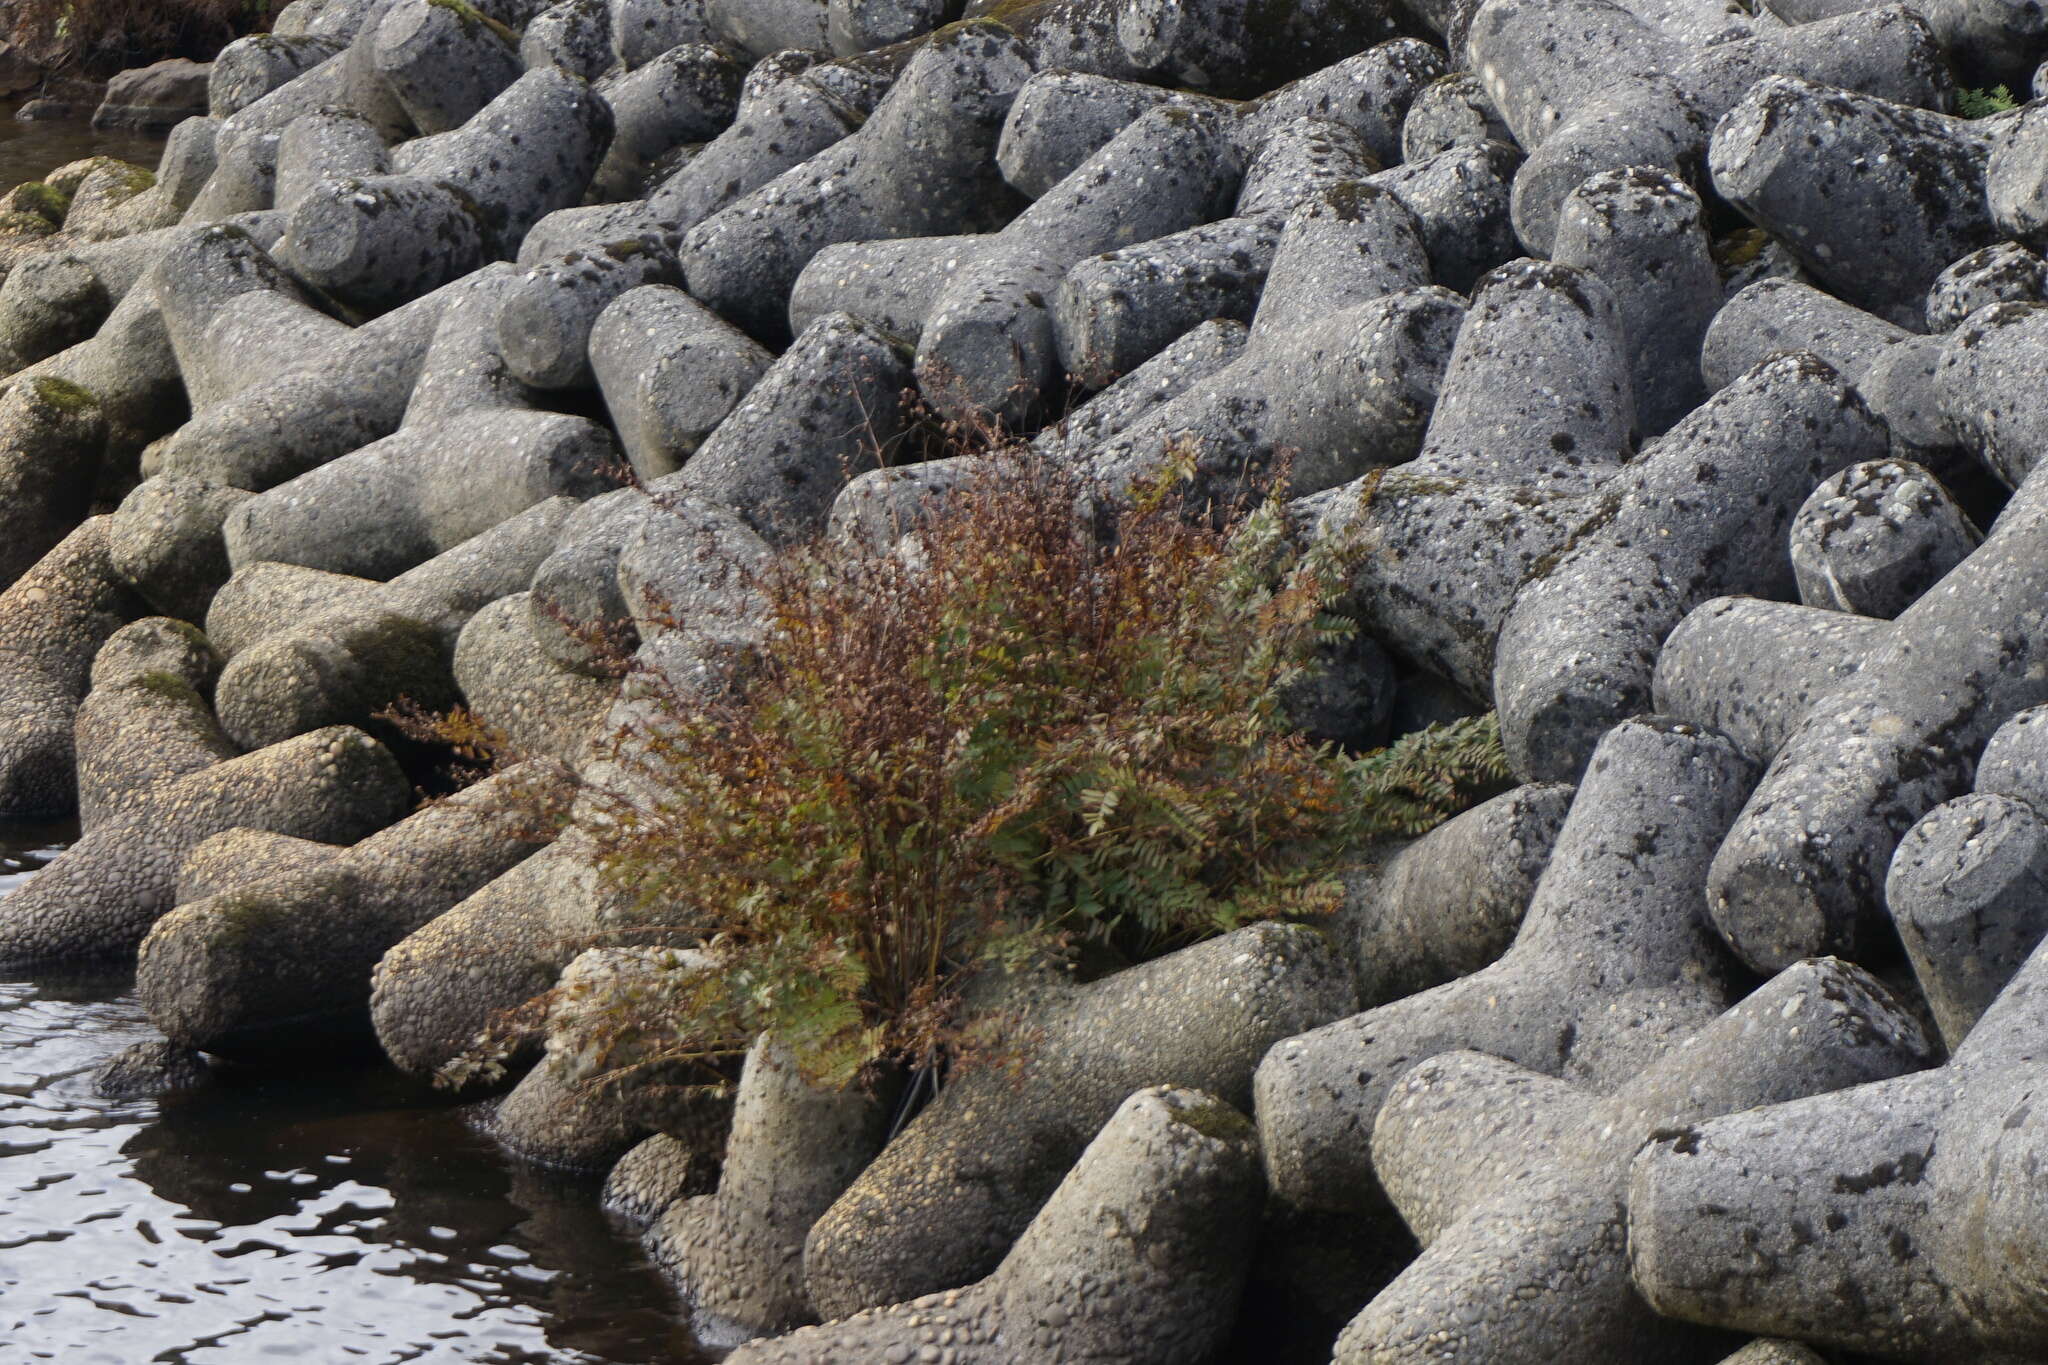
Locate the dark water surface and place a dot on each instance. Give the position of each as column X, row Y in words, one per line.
column 30, row 151
column 324, row 1215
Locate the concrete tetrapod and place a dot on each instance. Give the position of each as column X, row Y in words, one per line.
column 2005, row 273
column 1590, row 87
column 987, row 351
column 1451, row 902
column 53, row 620
column 602, row 1085
column 1874, row 537
column 280, row 965
column 1614, row 963
column 1802, row 870
column 1752, row 669
column 373, row 647
column 737, row 1254
column 1966, row 887
column 938, row 126
column 1512, row 1180
column 942, row 1204
column 1904, row 1218
column 51, row 440
column 1877, row 239
column 1703, row 513
column 1138, row 1257
column 98, row 899
column 146, row 720
column 474, row 453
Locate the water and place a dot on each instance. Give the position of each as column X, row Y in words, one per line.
column 30, row 151
column 336, row 1215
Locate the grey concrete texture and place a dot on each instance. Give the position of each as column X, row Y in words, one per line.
column 855, row 26
column 1117, row 310
column 340, row 398
column 510, row 684
column 98, row 899
column 636, row 563
column 2003, row 273
column 1241, row 48
column 949, row 1195
column 1538, row 391
column 987, row 350
column 157, row 644
column 251, row 67
column 150, row 1070
column 59, row 298
column 605, row 1079
column 1060, row 118
column 1452, row 901
column 831, row 407
column 880, row 509
column 1460, row 198
column 1322, row 403
column 544, row 326
column 1895, row 371
column 1138, row 1256
column 533, row 149
column 688, row 94
column 401, row 501
column 1925, row 183
column 1965, row 892
column 1554, row 80
column 1194, row 356
column 1962, row 886
column 221, row 294
column 1981, row 392
column 575, row 35
column 140, row 727
column 53, row 620
column 263, row 599
column 279, row 966
column 443, row 63
column 1513, row 1180
column 1703, row 513
column 642, row 30
column 330, row 145
column 166, row 540
column 1752, row 668
column 1451, row 110
column 891, row 282
column 375, row 242
column 1802, row 870
column 1615, row 962
column 922, row 165
column 654, row 1174
column 1776, row 1219
column 759, row 27
column 434, row 992
column 474, row 452
column 2014, row 185
column 52, row 437
column 1642, row 232
column 374, row 647
column 671, row 372
column 234, row 856
column 1874, row 537
column 737, row 1254
column 790, row 110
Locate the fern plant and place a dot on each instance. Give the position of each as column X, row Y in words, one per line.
column 1016, row 737
column 1984, row 102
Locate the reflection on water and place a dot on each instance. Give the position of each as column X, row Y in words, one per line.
column 30, row 151
column 332, row 1216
